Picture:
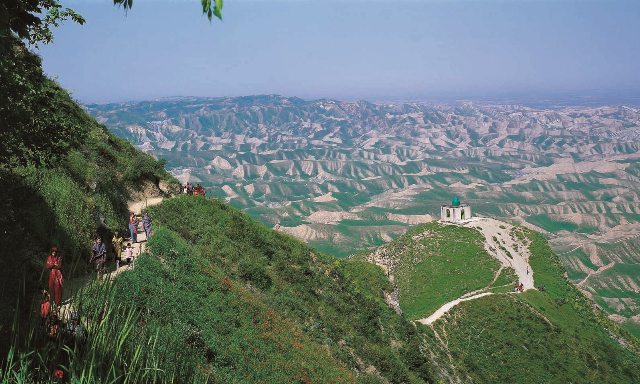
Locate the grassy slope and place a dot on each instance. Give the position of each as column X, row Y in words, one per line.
column 440, row 265
column 538, row 337
column 61, row 190
column 245, row 303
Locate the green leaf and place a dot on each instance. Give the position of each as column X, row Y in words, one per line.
column 218, row 9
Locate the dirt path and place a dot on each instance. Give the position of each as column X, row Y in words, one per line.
column 73, row 285
column 499, row 243
column 445, row 308
column 509, row 250
column 592, row 273
column 137, row 206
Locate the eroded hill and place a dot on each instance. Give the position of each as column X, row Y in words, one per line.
column 350, row 175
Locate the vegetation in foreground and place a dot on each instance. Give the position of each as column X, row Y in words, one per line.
column 220, row 298
column 64, row 178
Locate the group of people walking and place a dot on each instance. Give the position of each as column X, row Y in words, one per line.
column 54, row 321
column 198, row 190
column 52, row 297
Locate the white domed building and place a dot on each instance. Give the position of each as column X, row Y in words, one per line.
column 455, row 212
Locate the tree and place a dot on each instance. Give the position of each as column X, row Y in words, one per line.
column 36, row 115
column 209, row 7
column 32, row 20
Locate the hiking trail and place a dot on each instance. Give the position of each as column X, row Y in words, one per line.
column 502, row 244
column 72, row 286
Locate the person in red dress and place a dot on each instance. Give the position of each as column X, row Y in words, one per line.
column 56, row 282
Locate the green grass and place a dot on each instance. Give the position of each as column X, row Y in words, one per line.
column 553, row 336
column 446, row 263
column 220, row 298
column 333, row 305
column 547, row 223
column 632, row 327
column 507, row 277
column 529, row 339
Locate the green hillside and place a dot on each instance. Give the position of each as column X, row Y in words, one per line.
column 301, row 312
column 63, row 179
column 438, row 263
column 220, row 298
column 550, row 336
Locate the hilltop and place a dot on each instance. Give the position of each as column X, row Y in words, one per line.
column 346, row 176
column 458, row 280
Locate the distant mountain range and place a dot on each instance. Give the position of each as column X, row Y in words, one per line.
column 350, row 175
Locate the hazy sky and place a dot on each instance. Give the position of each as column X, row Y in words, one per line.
column 348, row 49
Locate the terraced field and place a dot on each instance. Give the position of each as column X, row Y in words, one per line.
column 351, row 175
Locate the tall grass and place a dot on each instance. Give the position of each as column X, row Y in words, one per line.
column 114, row 351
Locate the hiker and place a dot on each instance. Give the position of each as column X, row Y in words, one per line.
column 189, row 189
column 56, row 282
column 133, row 227
column 146, row 224
column 117, row 241
column 128, row 254
column 45, row 305
column 199, row 190
column 99, row 256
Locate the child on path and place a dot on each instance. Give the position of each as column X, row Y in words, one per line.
column 128, row 254
column 117, row 241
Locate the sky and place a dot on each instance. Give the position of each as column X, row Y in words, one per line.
column 349, row 49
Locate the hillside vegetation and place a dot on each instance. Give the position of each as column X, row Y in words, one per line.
column 64, row 178
column 437, row 263
column 220, row 298
column 299, row 311
column 554, row 336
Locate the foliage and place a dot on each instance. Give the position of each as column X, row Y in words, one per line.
column 210, row 8
column 40, row 121
column 33, row 19
column 329, row 304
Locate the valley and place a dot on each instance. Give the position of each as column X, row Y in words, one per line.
column 347, row 176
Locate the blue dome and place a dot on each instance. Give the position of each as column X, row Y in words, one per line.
column 455, row 202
